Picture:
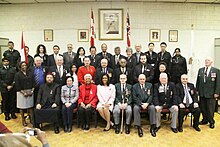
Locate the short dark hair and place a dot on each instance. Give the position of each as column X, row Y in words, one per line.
column 92, row 47
column 56, row 46
column 26, row 47
column 38, row 49
column 3, row 59
column 108, row 82
column 69, row 77
column 163, row 43
column 150, row 43
column 21, row 64
column 11, row 42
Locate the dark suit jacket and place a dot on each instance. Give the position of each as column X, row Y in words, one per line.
column 68, row 61
column 139, row 96
column 169, row 99
column 114, row 66
column 131, row 62
column 178, row 66
column 165, row 58
column 152, row 59
column 57, row 79
column 95, row 61
column 119, row 93
column 212, row 85
column 51, row 61
column 108, row 57
column 181, row 94
column 148, row 72
column 48, row 93
column 99, row 73
column 77, row 61
column 128, row 72
column 136, row 59
column 7, row 78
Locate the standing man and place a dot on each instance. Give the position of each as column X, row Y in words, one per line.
column 104, row 54
column 152, row 56
column 69, row 56
column 165, row 98
column 208, row 86
column 138, row 53
column 12, row 55
column 52, row 59
column 164, row 56
column 117, row 57
column 93, row 57
column 7, row 88
column 123, row 101
column 142, row 99
column 188, row 99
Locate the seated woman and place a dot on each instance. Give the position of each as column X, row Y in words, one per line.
column 87, row 101
column 47, row 106
column 106, row 96
column 69, row 97
column 24, row 82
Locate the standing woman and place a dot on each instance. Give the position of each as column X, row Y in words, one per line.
column 78, row 60
column 69, row 97
column 106, row 96
column 42, row 52
column 178, row 66
column 24, row 82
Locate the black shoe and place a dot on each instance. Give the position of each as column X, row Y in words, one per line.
column 56, row 130
column 13, row 116
column 157, row 129
column 65, row 128
column 153, row 132
column 117, row 129
column 140, row 132
column 127, row 129
column 180, row 129
column 174, row 130
column 203, row 122
column 197, row 128
column 212, row 126
column 86, row 127
column 69, row 128
column 7, row 118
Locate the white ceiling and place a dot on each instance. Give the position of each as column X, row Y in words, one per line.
column 66, row 1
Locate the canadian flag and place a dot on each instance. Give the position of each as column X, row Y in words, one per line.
column 92, row 30
column 23, row 50
column 128, row 30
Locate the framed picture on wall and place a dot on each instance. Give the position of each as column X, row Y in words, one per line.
column 48, row 35
column 154, row 35
column 83, row 35
column 173, row 35
column 110, row 24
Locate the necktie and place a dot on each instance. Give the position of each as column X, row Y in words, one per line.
column 205, row 74
column 187, row 96
column 55, row 57
column 116, row 59
column 142, row 88
column 70, row 55
column 165, row 90
column 37, row 76
column 142, row 68
column 123, row 70
column 59, row 70
column 138, row 57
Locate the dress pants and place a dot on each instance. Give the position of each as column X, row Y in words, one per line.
column 207, row 106
column 9, row 101
column 127, row 111
column 137, row 116
column 67, row 114
column 85, row 114
column 195, row 112
column 174, row 115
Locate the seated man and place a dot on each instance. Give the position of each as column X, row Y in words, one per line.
column 87, row 101
column 188, row 98
column 123, row 101
column 47, row 106
column 142, row 97
column 165, row 98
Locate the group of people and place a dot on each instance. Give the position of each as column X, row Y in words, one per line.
column 110, row 84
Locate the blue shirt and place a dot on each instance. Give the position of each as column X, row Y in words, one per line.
column 39, row 79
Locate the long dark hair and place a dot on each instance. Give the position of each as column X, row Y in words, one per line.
column 79, row 51
column 38, row 49
column 108, row 82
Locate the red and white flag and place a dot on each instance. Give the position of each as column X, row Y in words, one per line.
column 92, row 30
column 128, row 30
column 23, row 50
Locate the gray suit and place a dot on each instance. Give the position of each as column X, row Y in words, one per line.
column 68, row 60
column 118, row 101
column 143, row 96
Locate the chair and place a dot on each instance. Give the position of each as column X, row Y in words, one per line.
column 187, row 112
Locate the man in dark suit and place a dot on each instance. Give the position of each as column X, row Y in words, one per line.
column 52, row 59
column 59, row 71
column 188, row 99
column 142, row 99
column 208, row 86
column 165, row 98
column 138, row 53
column 7, row 89
column 164, row 56
column 131, row 60
column 95, row 59
column 104, row 69
column 143, row 68
column 152, row 56
column 69, row 56
column 123, row 101
column 117, row 57
column 123, row 70
column 106, row 55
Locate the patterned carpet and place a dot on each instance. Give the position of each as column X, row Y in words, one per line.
column 97, row 138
